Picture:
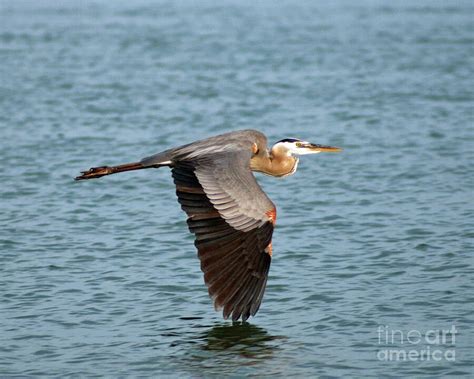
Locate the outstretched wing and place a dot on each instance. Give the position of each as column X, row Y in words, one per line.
column 232, row 219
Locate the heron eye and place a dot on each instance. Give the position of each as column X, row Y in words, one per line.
column 298, row 144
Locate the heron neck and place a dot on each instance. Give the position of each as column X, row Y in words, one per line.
column 275, row 164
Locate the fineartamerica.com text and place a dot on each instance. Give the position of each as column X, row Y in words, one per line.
column 416, row 345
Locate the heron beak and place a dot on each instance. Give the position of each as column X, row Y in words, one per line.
column 322, row 148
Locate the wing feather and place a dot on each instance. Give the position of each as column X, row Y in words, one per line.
column 227, row 212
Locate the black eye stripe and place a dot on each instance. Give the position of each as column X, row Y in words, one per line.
column 290, row 140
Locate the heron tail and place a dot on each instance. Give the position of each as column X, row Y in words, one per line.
column 97, row 172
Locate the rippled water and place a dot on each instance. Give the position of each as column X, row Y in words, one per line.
column 101, row 278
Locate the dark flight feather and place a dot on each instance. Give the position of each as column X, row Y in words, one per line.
column 234, row 258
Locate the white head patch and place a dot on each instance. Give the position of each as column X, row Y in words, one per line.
column 295, row 146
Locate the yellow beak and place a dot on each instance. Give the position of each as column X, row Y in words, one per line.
column 323, row 149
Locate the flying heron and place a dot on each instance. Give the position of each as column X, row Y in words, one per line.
column 228, row 212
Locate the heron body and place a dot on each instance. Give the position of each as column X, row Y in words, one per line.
column 230, row 215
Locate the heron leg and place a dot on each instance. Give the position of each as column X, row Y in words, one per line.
column 97, row 172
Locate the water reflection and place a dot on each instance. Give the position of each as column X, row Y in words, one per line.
column 245, row 339
column 225, row 348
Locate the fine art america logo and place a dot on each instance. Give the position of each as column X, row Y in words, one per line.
column 416, row 345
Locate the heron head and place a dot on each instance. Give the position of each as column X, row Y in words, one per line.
column 294, row 146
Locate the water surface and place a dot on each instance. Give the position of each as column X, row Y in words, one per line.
column 101, row 278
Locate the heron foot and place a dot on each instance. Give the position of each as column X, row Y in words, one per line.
column 94, row 173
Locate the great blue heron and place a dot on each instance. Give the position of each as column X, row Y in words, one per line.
column 230, row 215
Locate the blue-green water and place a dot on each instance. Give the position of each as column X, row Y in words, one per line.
column 101, row 278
